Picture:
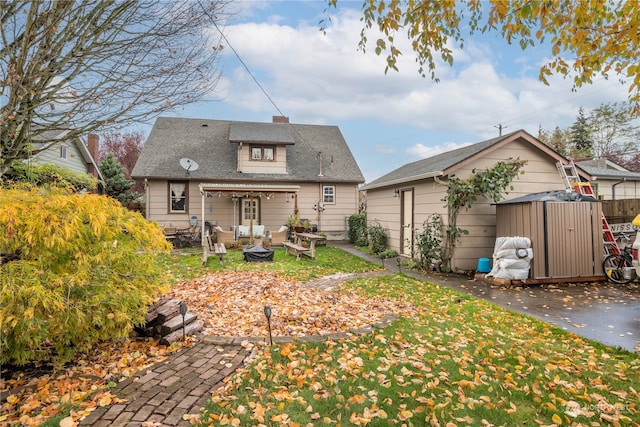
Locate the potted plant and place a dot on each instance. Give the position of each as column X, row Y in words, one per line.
column 294, row 222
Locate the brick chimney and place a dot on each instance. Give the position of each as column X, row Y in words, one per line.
column 93, row 145
column 280, row 119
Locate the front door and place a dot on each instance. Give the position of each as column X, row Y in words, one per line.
column 249, row 211
column 406, row 216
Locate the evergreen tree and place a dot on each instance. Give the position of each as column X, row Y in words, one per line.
column 581, row 140
column 116, row 185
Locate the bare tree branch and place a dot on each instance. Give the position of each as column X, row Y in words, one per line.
column 92, row 65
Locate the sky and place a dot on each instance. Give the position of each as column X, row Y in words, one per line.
column 387, row 119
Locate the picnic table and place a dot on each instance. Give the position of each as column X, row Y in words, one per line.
column 297, row 247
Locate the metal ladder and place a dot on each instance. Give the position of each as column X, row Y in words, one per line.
column 572, row 182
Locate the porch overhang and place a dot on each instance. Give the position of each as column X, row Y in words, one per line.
column 247, row 189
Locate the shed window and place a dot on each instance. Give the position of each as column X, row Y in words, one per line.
column 178, row 196
column 63, row 152
column 329, row 194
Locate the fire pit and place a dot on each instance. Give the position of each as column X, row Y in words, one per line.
column 257, row 254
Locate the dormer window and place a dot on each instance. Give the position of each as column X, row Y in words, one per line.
column 259, row 153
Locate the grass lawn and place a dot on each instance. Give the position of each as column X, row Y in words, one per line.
column 450, row 360
column 461, row 361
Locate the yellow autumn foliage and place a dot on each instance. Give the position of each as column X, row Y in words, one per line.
column 76, row 269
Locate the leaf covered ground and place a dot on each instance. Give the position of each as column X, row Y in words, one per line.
column 460, row 362
column 450, row 360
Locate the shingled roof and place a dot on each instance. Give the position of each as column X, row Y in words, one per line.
column 447, row 163
column 212, row 144
column 602, row 168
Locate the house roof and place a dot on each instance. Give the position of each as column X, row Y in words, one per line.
column 264, row 133
column 314, row 152
column 451, row 161
column 606, row 169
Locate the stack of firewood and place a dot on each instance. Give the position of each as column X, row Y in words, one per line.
column 165, row 321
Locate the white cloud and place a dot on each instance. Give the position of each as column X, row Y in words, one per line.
column 422, row 151
column 316, row 78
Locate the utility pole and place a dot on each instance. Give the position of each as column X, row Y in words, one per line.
column 500, row 127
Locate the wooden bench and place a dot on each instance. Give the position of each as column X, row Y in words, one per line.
column 217, row 248
column 297, row 249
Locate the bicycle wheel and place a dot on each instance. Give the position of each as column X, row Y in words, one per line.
column 617, row 268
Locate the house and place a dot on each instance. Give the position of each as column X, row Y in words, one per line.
column 76, row 154
column 403, row 199
column 611, row 181
column 232, row 173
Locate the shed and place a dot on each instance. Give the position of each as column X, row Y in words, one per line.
column 565, row 229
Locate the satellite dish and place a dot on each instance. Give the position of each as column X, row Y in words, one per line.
column 188, row 164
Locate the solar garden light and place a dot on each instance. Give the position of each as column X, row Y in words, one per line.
column 399, row 265
column 183, row 311
column 267, row 313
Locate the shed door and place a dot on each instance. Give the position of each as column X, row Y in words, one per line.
column 570, row 248
column 406, row 231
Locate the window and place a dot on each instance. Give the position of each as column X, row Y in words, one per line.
column 262, row 153
column 63, row 152
column 177, row 197
column 329, row 194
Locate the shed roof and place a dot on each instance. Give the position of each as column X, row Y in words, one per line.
column 447, row 163
column 551, row 196
column 317, row 153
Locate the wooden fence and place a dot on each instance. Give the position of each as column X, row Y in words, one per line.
column 620, row 211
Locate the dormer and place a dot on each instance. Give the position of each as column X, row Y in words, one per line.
column 262, row 147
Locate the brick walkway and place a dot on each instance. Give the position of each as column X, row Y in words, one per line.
column 182, row 384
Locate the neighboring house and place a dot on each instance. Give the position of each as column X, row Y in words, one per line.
column 611, row 181
column 73, row 154
column 403, row 199
column 231, row 173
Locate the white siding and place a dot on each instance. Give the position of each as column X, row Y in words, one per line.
column 74, row 160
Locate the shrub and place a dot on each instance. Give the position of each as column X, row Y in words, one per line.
column 78, row 269
column 429, row 243
column 358, row 229
column 377, row 238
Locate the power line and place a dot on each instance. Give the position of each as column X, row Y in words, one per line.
column 246, row 67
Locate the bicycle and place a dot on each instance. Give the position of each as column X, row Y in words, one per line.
column 619, row 268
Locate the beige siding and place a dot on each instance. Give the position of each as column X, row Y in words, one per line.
column 246, row 165
column 274, row 211
column 540, row 175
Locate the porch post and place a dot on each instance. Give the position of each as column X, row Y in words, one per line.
column 202, row 199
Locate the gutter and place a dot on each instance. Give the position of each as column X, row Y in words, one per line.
column 403, row 180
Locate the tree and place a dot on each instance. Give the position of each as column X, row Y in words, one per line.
column 116, row 185
column 612, row 132
column 86, row 65
column 559, row 139
column 463, row 193
column 600, row 37
column 76, row 269
column 126, row 150
column 581, row 139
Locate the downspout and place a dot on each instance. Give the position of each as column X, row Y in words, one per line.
column 613, row 188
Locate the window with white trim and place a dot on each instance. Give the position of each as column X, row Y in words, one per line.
column 329, row 194
column 262, row 153
column 63, row 152
column 178, row 196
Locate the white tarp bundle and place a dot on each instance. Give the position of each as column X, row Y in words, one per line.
column 511, row 258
